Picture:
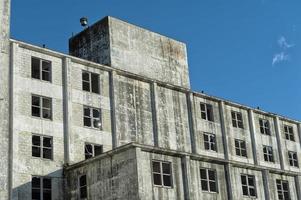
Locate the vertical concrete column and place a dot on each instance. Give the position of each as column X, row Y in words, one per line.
column 5, row 118
column 278, row 136
column 185, row 163
column 299, row 132
column 154, row 103
column 222, row 113
column 228, row 171
column 67, row 107
column 266, row 183
column 191, row 120
column 253, row 135
column 298, row 186
column 112, row 77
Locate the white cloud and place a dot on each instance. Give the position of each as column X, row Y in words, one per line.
column 283, row 43
column 280, row 57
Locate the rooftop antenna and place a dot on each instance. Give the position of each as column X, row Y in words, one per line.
column 84, row 21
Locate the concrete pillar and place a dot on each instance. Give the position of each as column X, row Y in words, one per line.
column 67, row 107
column 298, row 186
column 278, row 136
column 185, row 163
column 299, row 132
column 253, row 135
column 112, row 75
column 228, row 170
column 222, row 113
column 191, row 118
column 5, row 162
column 154, row 102
column 266, row 183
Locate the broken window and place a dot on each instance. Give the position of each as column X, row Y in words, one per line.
column 208, row 180
column 289, row 132
column 206, row 112
column 268, row 154
column 41, row 107
column 248, row 185
column 90, row 82
column 264, row 126
column 209, row 141
column 41, row 188
column 41, row 69
column 162, row 173
column 237, row 121
column 282, row 189
column 42, row 146
column 92, row 117
column 92, row 150
column 83, row 192
column 240, row 148
column 293, row 159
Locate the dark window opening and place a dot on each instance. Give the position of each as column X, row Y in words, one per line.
column 162, row 173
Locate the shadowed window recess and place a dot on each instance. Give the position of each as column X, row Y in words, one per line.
column 41, row 188
column 90, row 82
column 41, row 107
column 208, row 180
column 162, row 173
column 40, row 69
column 42, row 146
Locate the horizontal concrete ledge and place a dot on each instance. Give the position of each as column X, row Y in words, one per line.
column 174, row 153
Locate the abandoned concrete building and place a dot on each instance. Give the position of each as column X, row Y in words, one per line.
column 116, row 119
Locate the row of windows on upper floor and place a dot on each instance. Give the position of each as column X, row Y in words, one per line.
column 41, row 69
column 237, row 121
column 162, row 177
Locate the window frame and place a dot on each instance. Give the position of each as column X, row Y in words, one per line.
column 42, row 146
column 41, row 188
column 162, row 174
column 264, row 126
column 93, row 149
column 248, row 185
column 292, row 159
column 269, row 153
column 209, row 141
column 91, row 109
column 208, row 180
column 90, row 82
column 41, row 70
column 281, row 191
column 236, row 122
column 41, row 107
column 240, row 148
column 289, row 132
column 207, row 112
column 79, row 187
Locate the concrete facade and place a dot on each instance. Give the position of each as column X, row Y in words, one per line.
column 144, row 118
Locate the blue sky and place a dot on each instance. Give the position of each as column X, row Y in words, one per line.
column 247, row 51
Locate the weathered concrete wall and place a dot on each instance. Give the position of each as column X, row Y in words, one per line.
column 79, row 135
column 273, row 186
column 133, row 111
column 4, row 98
column 173, row 125
column 267, row 140
column 196, row 192
column 237, row 186
column 25, row 166
column 110, row 178
column 93, row 43
column 288, row 145
column 238, row 133
column 134, row 49
column 205, row 126
column 147, row 191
